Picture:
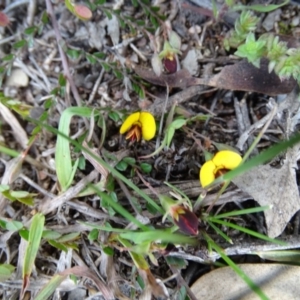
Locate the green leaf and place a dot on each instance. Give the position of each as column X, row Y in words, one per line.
column 4, row 187
column 182, row 294
column 110, row 183
column 93, row 235
column 62, row 80
column 68, row 237
column 45, row 19
column 118, row 74
column 105, row 66
column 8, row 57
column 34, row 239
column 155, row 8
column 81, row 163
column 100, row 2
column 19, row 194
column 129, row 160
column 146, row 168
column 20, row 44
column 30, row 30
column 90, row 58
column 6, row 271
column 107, row 13
column 50, row 235
column 134, row 3
column 177, row 262
column 3, row 224
column 140, row 22
column 141, row 93
column 58, row 246
column 73, row 54
column 100, row 55
column 252, row 50
column 153, row 20
column 122, row 23
column 14, row 225
column 108, row 251
column 114, row 116
column 64, row 169
column 122, row 166
column 70, row 5
column 135, row 87
column 176, row 124
column 24, row 234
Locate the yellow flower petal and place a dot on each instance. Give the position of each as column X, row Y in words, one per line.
column 227, row 159
column 148, row 125
column 207, row 173
column 129, row 122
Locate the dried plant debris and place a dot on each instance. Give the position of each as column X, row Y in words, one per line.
column 276, row 187
column 161, row 69
column 278, row 281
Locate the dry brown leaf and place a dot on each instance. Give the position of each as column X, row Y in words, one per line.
column 95, row 163
column 18, row 131
column 180, row 79
column 243, row 76
column 277, row 281
column 86, row 272
column 275, row 187
column 152, row 286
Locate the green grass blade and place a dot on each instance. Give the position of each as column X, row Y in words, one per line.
column 63, row 161
column 113, row 171
column 290, row 256
column 120, row 209
column 50, row 287
column 259, row 159
column 34, row 239
column 155, row 235
column 261, row 7
column 220, row 232
column 242, row 212
column 246, row 230
column 254, row 287
column 159, row 236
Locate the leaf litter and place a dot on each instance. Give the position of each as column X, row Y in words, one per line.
column 271, row 185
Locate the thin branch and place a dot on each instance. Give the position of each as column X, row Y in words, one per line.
column 64, row 61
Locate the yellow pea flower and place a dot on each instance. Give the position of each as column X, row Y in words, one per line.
column 139, row 124
column 223, row 161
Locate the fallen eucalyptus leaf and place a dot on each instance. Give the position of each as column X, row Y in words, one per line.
column 275, row 187
column 277, row 281
column 242, row 76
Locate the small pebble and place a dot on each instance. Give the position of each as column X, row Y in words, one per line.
column 17, row 78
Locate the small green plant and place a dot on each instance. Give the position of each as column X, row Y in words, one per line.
column 284, row 61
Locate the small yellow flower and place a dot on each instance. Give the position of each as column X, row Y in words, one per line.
column 222, row 162
column 139, row 124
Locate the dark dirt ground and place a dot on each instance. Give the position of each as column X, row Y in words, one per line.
column 39, row 87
